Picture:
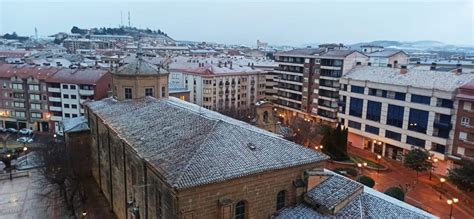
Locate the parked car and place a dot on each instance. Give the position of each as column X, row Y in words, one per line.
column 25, row 140
column 26, row 131
column 3, row 130
column 12, row 130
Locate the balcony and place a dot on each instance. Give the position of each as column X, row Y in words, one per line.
column 55, row 108
column 442, row 124
column 86, row 92
column 54, row 89
column 54, row 99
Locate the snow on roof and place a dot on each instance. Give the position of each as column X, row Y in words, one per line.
column 210, row 65
column 438, row 80
column 77, row 76
column 192, row 146
column 368, row 204
column 77, row 124
column 385, row 53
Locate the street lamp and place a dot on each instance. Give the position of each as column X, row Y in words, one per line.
column 10, row 168
column 441, row 180
column 359, row 165
column 451, row 202
column 378, row 163
column 434, row 161
column 84, row 213
column 26, row 154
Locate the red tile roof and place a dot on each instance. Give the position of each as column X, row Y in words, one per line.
column 13, row 53
column 77, row 76
column 26, row 71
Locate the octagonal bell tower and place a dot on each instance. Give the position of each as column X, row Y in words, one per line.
column 139, row 78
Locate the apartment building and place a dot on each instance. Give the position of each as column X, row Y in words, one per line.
column 463, row 146
column 76, row 45
column 219, row 85
column 392, row 110
column 69, row 88
column 308, row 81
column 388, row 58
column 24, row 102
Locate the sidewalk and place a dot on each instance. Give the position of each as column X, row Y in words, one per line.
column 423, row 194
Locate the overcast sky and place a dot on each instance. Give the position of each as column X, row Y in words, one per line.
column 280, row 22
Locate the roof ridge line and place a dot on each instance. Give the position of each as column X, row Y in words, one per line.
column 178, row 179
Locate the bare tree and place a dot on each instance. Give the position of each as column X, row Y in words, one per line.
column 62, row 175
column 307, row 133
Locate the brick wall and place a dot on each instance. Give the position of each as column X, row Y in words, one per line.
column 258, row 190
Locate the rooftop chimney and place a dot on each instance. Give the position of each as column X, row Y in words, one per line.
column 225, row 64
column 433, row 66
column 403, row 69
column 230, row 65
column 358, row 63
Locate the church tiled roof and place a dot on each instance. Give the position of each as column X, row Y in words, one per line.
column 192, row 146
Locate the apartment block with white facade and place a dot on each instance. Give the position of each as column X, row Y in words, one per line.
column 391, row 110
column 69, row 88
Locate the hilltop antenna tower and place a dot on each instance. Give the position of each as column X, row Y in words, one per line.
column 121, row 19
column 129, row 19
column 36, row 33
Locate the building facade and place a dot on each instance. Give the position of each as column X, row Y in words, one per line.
column 308, row 81
column 392, row 110
column 463, row 146
column 69, row 88
column 221, row 86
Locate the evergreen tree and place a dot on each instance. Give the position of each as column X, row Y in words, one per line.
column 463, row 177
column 417, row 160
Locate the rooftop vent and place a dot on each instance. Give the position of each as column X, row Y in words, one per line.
column 403, row 69
column 251, row 146
column 433, row 66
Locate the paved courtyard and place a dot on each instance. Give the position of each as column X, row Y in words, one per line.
column 423, row 195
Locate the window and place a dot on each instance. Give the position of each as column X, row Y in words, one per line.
column 393, row 135
column 19, row 104
column 373, row 110
column 355, row 108
column 74, row 115
column 445, row 103
column 357, row 89
column 163, row 91
column 149, row 91
column 66, row 96
column 395, row 115
column 74, row 106
column 418, row 120
column 35, row 97
column 64, row 86
column 128, row 93
column 280, row 200
column 420, row 99
column 72, row 87
column 66, row 105
column 463, row 135
column 415, row 141
column 461, row 150
column 35, row 115
column 372, row 129
column 465, row 121
column 67, row 115
column 467, row 106
column 20, row 114
column 36, row 106
column 73, row 96
column 33, row 87
column 240, row 210
column 354, row 125
column 17, row 86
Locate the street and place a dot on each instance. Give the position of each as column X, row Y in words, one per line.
column 423, row 194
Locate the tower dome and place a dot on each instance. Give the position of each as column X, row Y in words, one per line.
column 139, row 78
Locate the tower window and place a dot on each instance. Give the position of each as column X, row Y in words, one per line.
column 240, row 210
column 163, row 91
column 128, row 93
column 149, row 92
column 280, row 200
